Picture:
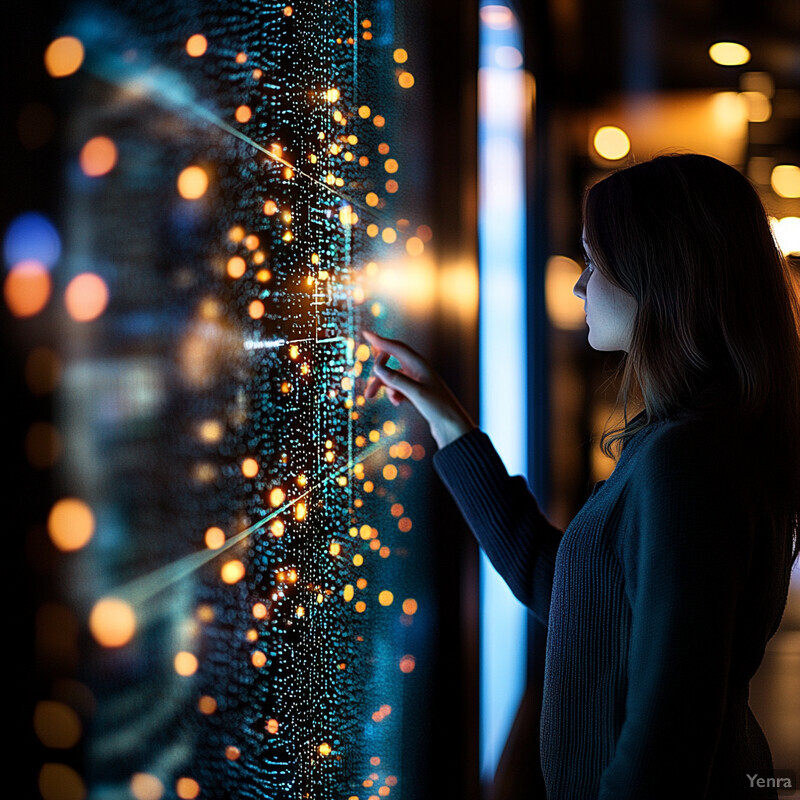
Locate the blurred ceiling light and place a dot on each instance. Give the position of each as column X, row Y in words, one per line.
column 729, row 54
column 787, row 234
column 564, row 309
column 785, row 180
column 729, row 110
column 759, row 108
column 611, row 142
column 757, row 82
column 499, row 18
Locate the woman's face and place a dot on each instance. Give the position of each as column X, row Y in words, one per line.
column 610, row 311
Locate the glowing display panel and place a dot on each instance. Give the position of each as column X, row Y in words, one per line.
column 237, row 524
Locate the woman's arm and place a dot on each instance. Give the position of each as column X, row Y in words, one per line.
column 504, row 516
column 501, row 510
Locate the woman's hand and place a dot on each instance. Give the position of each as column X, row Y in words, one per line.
column 417, row 382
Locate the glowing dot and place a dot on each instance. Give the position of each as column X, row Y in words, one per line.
column 391, row 780
column 232, row 571
column 236, row 233
column 112, row 622
column 257, row 74
column 56, row 724
column 63, row 56
column 612, row 142
column 185, row 663
column 335, row 548
column 207, row 704
column 361, row 606
column 324, row 749
column 347, row 216
column 358, row 559
column 27, row 288
column 98, row 156
column 390, row 472
column 406, row 80
column 146, row 787
column 785, row 180
column 400, row 56
column 196, row 45
column 60, row 782
column 378, row 121
column 86, row 297
column 364, row 112
column 409, row 606
column 424, row 233
column 187, row 788
column 497, row 17
column 404, row 524
column 205, row 613
column 276, row 497
column 415, row 246
column 332, row 95
column 70, row 524
column 384, row 552
column 348, row 592
column 249, row 468
column 272, row 726
column 390, row 165
column 270, row 208
column 232, row 753
column 729, row 54
column 259, row 611
column 391, row 186
column 407, row 664
column 241, row 58
column 236, row 267
column 385, row 598
column 258, row 659
column 214, row 538
column 192, row 183
column 300, row 511
column 287, row 11
column 256, row 309
column 383, row 791
column 243, row 114
column 389, row 235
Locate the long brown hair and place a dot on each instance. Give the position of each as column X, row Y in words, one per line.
column 718, row 321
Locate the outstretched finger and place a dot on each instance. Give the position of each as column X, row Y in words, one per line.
column 407, row 356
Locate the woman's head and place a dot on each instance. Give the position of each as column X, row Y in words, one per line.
column 687, row 238
column 714, row 314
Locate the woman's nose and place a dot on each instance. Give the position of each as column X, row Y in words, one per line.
column 579, row 289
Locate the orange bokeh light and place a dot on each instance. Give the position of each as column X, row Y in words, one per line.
column 214, row 538
column 196, row 45
column 249, row 468
column 70, row 524
column 112, row 622
column 98, row 156
column 63, row 56
column 192, row 183
column 232, row 571
column 27, row 288
column 86, row 297
column 243, row 114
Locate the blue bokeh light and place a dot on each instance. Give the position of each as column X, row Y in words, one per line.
column 31, row 236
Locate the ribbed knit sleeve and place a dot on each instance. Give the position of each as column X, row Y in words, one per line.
column 685, row 558
column 504, row 516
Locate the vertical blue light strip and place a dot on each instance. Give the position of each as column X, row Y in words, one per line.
column 503, row 355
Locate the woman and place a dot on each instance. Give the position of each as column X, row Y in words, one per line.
column 661, row 594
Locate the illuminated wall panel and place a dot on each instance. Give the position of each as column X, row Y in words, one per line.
column 242, row 565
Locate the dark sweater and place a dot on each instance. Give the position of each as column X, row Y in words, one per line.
column 659, row 599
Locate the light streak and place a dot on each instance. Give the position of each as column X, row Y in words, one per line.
column 144, row 588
